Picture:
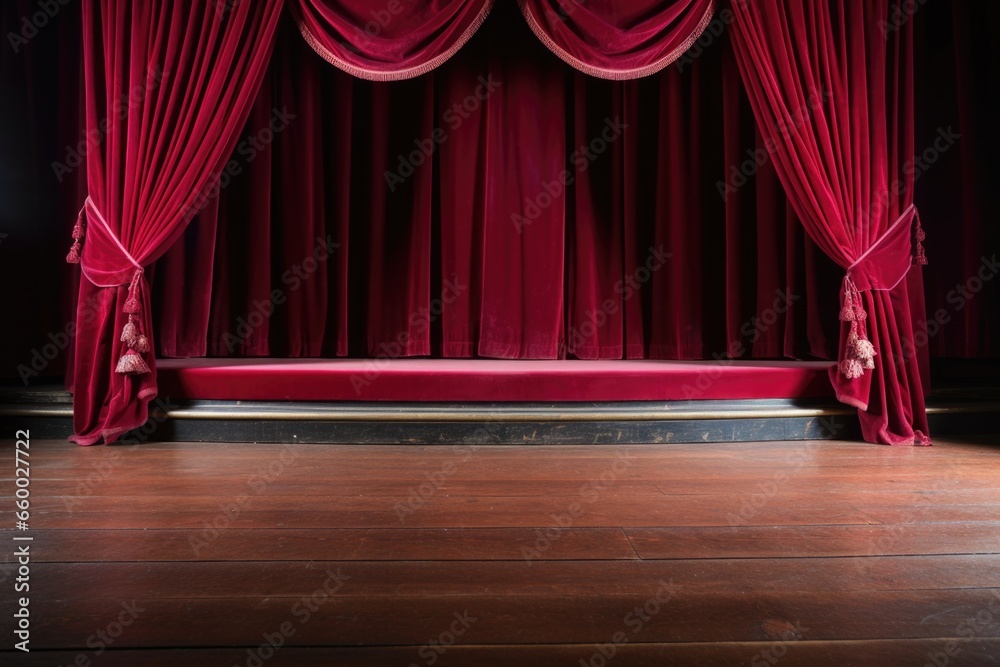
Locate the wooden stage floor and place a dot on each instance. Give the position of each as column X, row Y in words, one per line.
column 825, row 553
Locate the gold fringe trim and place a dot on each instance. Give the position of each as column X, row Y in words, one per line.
column 397, row 75
column 613, row 74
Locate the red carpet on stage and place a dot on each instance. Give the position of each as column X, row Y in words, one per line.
column 486, row 380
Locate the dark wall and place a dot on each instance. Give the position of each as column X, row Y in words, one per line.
column 39, row 117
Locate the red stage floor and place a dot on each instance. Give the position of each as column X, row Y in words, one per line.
column 488, row 380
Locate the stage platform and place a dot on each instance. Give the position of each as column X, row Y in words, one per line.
column 426, row 402
column 490, row 380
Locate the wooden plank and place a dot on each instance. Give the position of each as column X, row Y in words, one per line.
column 972, row 445
column 815, row 541
column 512, row 619
column 807, row 455
column 50, row 493
column 741, row 502
column 234, row 544
column 789, row 652
column 930, row 513
column 461, row 512
column 198, row 580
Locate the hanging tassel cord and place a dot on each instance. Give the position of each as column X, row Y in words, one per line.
column 132, row 363
column 919, row 256
column 859, row 353
column 73, row 257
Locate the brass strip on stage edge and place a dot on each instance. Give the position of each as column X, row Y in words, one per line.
column 473, row 415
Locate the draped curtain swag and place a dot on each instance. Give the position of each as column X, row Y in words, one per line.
column 190, row 73
column 616, row 39
column 389, row 40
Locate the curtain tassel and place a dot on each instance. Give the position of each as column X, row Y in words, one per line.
column 847, row 310
column 74, row 252
column 921, row 257
column 859, row 353
column 132, row 303
column 132, row 364
column 130, row 333
column 141, row 344
column 135, row 340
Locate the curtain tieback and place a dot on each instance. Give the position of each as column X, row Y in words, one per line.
column 73, row 257
column 136, row 342
column 881, row 268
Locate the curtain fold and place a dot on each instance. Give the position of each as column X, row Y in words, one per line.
column 615, row 39
column 168, row 86
column 833, row 95
column 398, row 39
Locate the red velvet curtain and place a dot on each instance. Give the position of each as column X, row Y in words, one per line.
column 168, row 86
column 457, row 237
column 833, row 93
column 618, row 39
column 397, row 39
column 751, row 248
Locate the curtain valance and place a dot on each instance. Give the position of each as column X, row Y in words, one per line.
column 401, row 39
column 613, row 39
column 395, row 39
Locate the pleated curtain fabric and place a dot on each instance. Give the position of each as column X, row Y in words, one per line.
column 832, row 91
column 504, row 205
column 168, row 87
